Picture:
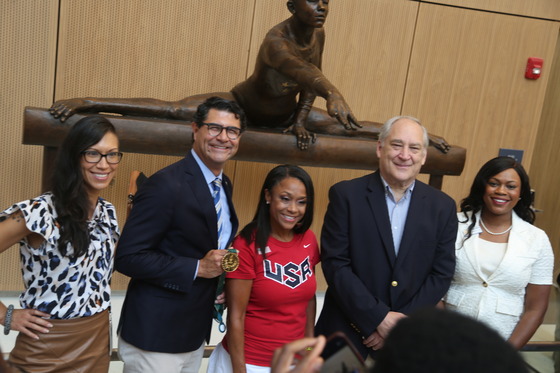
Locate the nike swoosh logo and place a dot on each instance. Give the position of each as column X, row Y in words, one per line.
column 306, row 246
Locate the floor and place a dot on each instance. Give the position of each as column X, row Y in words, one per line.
column 541, row 361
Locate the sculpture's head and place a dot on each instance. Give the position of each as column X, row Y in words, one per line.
column 310, row 12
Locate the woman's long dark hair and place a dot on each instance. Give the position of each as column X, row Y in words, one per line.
column 259, row 229
column 71, row 200
column 474, row 202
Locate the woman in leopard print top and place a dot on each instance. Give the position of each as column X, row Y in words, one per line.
column 67, row 243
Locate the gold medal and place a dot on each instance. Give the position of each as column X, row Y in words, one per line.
column 230, row 261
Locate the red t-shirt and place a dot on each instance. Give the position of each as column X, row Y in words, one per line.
column 283, row 285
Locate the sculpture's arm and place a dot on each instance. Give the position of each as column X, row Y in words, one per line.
column 279, row 54
column 305, row 103
column 147, row 107
column 303, row 136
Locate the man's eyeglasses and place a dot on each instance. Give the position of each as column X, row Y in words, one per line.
column 214, row 130
column 93, row 156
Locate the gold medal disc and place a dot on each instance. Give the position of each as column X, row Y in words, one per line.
column 230, row 261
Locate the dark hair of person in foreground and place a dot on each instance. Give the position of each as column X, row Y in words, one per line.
column 439, row 341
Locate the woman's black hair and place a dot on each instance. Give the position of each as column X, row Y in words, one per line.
column 71, row 200
column 259, row 229
column 474, row 202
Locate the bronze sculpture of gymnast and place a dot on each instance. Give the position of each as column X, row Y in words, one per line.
column 278, row 95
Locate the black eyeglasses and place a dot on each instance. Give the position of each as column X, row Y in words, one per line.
column 93, row 156
column 214, row 130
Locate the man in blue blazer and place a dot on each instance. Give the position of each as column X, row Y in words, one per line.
column 387, row 242
column 171, row 249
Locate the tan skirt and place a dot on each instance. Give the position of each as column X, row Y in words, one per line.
column 74, row 345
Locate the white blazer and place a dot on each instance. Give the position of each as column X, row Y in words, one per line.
column 498, row 299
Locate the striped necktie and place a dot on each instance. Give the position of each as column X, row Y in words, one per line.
column 219, row 308
column 216, row 186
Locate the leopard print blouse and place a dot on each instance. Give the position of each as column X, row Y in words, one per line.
column 61, row 286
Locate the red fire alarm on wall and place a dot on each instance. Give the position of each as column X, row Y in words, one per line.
column 534, row 68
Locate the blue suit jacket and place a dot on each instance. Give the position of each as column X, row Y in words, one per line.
column 172, row 225
column 365, row 278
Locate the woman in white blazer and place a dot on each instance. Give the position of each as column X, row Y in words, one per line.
column 504, row 263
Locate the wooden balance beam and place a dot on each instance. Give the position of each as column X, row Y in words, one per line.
column 169, row 137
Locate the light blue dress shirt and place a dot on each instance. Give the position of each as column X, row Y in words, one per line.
column 398, row 211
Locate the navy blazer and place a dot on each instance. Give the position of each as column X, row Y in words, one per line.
column 365, row 278
column 172, row 225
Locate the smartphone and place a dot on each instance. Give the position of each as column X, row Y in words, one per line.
column 341, row 356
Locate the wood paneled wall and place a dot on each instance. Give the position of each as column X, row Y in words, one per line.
column 459, row 70
column 466, row 82
column 548, row 9
column 27, row 61
column 545, row 169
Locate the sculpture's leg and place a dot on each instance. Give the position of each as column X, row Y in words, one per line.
column 319, row 121
column 186, row 108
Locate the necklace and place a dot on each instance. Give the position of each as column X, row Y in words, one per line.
column 493, row 233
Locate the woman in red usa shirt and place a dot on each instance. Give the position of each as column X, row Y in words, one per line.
column 271, row 296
